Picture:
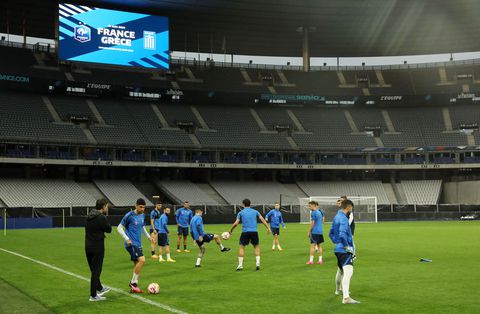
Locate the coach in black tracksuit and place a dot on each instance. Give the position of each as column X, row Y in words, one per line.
column 95, row 227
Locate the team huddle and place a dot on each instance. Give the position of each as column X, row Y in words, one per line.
column 341, row 234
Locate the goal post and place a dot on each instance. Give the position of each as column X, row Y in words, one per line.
column 364, row 210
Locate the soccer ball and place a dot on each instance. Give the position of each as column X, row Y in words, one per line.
column 154, row 288
column 226, row 235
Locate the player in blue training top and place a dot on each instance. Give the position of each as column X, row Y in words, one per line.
column 198, row 234
column 248, row 218
column 154, row 220
column 183, row 217
column 131, row 228
column 315, row 231
column 341, row 236
column 275, row 218
column 163, row 240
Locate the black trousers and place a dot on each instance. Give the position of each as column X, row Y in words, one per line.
column 95, row 262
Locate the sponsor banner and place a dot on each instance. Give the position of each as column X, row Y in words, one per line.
column 335, row 100
column 465, row 98
column 283, row 99
column 14, row 78
column 20, row 81
column 83, row 88
column 96, row 35
column 99, row 86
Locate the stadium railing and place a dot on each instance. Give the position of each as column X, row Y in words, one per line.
column 50, row 48
column 219, row 64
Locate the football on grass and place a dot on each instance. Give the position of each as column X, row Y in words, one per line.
column 154, row 288
column 226, row 235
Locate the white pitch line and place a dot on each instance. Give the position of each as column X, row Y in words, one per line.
column 66, row 272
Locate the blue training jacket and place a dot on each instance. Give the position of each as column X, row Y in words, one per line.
column 163, row 224
column 183, row 217
column 196, row 227
column 340, row 233
column 275, row 218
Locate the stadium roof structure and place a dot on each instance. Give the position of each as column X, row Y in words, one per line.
column 343, row 28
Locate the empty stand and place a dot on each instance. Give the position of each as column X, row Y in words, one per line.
column 121, row 192
column 422, row 192
column 43, row 193
column 365, row 188
column 26, row 117
column 327, row 128
column 72, row 106
column 121, row 129
column 258, row 192
column 150, row 127
column 235, row 127
column 186, row 190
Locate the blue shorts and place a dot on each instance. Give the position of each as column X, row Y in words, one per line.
column 344, row 259
column 207, row 237
column 275, row 231
column 182, row 231
column 163, row 239
column 316, row 238
column 135, row 252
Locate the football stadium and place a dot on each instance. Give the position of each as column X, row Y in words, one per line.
column 239, row 156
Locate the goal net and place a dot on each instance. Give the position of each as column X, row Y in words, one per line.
column 364, row 210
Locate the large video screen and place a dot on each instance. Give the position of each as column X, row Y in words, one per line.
column 88, row 34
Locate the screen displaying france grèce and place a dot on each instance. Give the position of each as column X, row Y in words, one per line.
column 96, row 35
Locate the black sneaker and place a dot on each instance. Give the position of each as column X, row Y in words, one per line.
column 225, row 249
column 257, row 268
column 197, row 266
column 239, row 268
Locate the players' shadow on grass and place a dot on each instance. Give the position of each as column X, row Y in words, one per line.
column 15, row 300
column 82, row 305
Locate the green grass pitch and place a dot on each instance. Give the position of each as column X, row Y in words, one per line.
column 388, row 276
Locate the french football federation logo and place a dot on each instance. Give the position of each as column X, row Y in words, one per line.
column 82, row 33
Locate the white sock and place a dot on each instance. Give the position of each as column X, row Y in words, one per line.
column 240, row 261
column 311, row 258
column 273, row 246
column 338, row 279
column 320, row 258
column 168, row 255
column 199, row 259
column 134, row 278
column 278, row 246
column 347, row 275
column 160, row 256
column 257, row 259
column 221, row 246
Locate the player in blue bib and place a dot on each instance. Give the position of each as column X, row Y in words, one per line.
column 315, row 232
column 341, row 236
column 131, row 228
column 201, row 237
column 183, row 217
column 154, row 221
column 275, row 218
column 248, row 218
column 163, row 240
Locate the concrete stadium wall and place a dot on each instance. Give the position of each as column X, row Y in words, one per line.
column 463, row 192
